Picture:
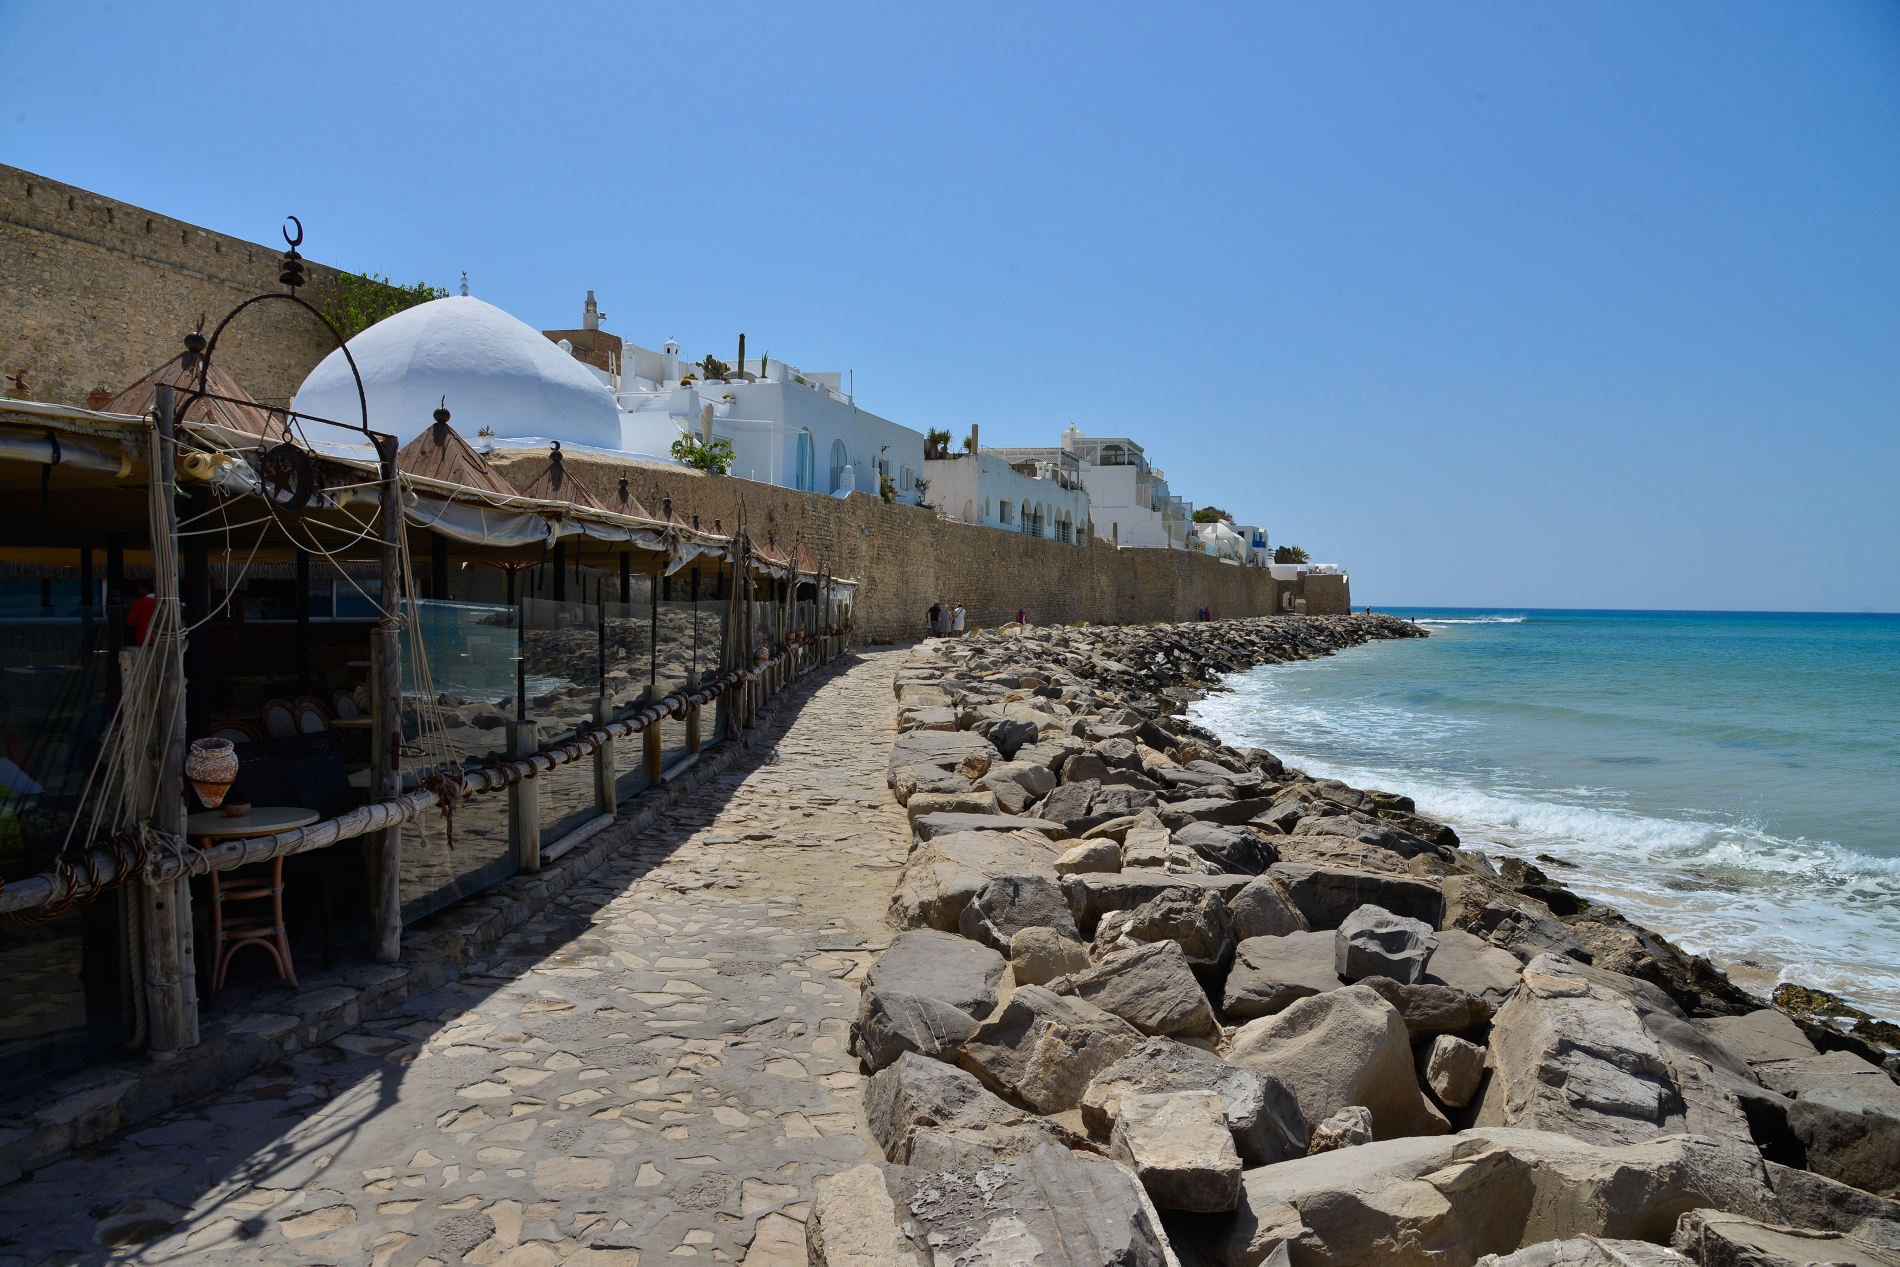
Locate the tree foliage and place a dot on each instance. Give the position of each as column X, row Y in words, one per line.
column 936, row 444
column 1290, row 554
column 356, row 301
column 714, row 455
column 1212, row 515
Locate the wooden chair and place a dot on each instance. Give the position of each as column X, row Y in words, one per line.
column 237, row 732
column 312, row 717
column 233, row 934
column 280, row 720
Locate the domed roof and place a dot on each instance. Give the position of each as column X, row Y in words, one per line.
column 497, row 372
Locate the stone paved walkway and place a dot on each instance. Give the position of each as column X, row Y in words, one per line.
column 653, row 1068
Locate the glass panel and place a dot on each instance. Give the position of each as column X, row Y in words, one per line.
column 567, row 800
column 61, row 1001
column 561, row 654
column 357, row 598
column 433, row 875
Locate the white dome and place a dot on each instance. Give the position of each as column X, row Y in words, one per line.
column 496, row 372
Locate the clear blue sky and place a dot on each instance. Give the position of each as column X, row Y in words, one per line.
column 1584, row 305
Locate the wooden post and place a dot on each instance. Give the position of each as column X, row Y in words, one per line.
column 171, row 976
column 385, row 848
column 524, row 799
column 303, row 621
column 692, row 729
column 438, row 567
column 651, row 751
column 606, row 795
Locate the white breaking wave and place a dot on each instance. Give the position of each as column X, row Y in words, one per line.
column 1765, row 907
column 1469, row 620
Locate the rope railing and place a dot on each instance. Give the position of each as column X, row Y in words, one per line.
column 172, row 859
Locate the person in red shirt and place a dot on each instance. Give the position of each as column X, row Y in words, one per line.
column 139, row 616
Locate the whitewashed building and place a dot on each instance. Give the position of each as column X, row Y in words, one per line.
column 1129, row 501
column 998, row 489
column 786, row 426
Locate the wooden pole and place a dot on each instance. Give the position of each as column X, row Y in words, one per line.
column 171, row 976
column 385, row 849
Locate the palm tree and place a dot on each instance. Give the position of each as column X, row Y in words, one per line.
column 1291, row 554
column 936, row 443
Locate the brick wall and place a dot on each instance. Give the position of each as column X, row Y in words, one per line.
column 94, row 292
column 907, row 556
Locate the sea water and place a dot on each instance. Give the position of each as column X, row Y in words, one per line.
column 1731, row 780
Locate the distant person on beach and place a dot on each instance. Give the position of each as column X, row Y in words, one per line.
column 956, row 622
column 936, row 618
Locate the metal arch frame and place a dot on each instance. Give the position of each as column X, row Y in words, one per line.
column 202, row 390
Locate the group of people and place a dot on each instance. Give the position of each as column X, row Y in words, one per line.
column 946, row 622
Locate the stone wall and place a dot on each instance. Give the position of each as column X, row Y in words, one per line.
column 95, row 292
column 908, row 556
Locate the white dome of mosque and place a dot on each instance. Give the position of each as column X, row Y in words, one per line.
column 495, row 371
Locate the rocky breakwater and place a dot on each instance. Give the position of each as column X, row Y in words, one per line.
column 1162, row 1000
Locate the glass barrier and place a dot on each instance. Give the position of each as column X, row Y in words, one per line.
column 434, row 875
column 667, row 646
column 63, row 995
column 567, row 799
column 561, row 664
column 471, row 653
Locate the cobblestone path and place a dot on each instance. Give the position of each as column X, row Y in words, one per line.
column 653, row 1068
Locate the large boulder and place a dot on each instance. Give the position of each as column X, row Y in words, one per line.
column 1235, row 850
column 1474, row 966
column 1094, row 894
column 1047, row 1206
column 1262, row 909
column 968, row 801
column 1038, row 956
column 1178, row 1145
column 925, row 994
column 1090, row 855
column 931, row 826
column 1432, row 1009
column 1455, row 1199
column 1846, row 1115
column 853, row 1223
column 1452, row 1068
column 907, row 781
column 943, row 874
column 1815, row 1201
column 1069, row 805
column 1044, row 1049
column 1197, row 923
column 914, row 1093
column 1341, row 1048
column 1760, row 1037
column 1152, row 987
column 1032, row 776
column 1714, row 1238
column 1327, row 895
column 941, row 749
column 1263, row 1113
column 1571, row 1053
column 1588, row 1251
column 1010, row 903
column 1179, row 815
column 1271, row 973
column 1373, row 942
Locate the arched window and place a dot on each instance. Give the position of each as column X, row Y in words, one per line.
column 838, row 462
column 969, row 511
column 807, row 478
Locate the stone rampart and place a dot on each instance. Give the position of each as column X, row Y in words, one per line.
column 95, row 292
column 908, row 556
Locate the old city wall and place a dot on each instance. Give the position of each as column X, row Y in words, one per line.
column 95, row 292
column 908, row 556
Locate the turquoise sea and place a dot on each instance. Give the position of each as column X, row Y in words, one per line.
column 1730, row 779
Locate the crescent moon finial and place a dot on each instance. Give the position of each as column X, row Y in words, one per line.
column 298, row 240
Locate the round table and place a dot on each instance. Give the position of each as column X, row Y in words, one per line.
column 228, row 936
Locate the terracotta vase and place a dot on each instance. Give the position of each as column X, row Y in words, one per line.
column 212, row 766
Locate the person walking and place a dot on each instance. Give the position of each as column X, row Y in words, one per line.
column 936, row 617
column 956, row 622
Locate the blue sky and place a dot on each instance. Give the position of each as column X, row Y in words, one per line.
column 1586, row 305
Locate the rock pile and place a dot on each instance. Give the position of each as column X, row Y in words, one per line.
column 1160, row 999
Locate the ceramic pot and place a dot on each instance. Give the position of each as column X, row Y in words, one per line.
column 212, row 767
